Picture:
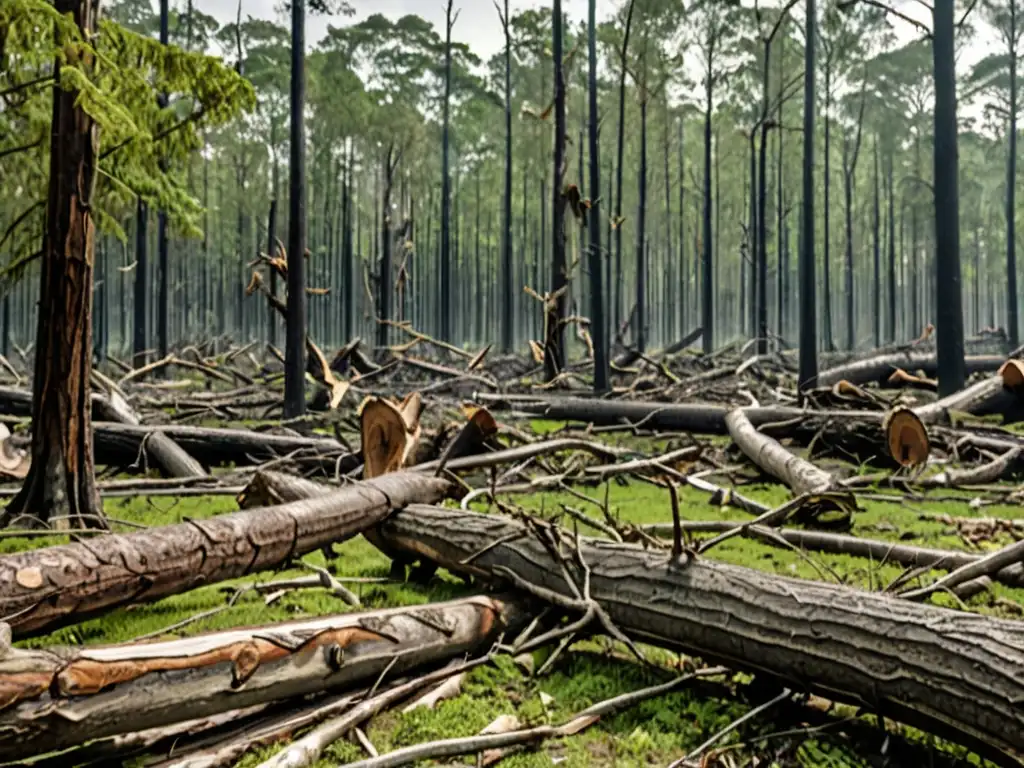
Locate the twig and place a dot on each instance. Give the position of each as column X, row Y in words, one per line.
column 786, row 693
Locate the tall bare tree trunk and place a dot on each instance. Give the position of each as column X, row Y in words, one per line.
column 60, row 490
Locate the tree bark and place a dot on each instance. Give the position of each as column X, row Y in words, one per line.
column 295, row 327
column 58, row 698
column 121, row 444
column 598, row 324
column 61, row 482
column 554, row 342
column 808, row 376
column 881, row 367
column 44, row 589
column 949, row 321
column 953, row 673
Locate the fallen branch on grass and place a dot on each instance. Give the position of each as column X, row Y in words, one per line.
column 58, row 698
column 43, row 589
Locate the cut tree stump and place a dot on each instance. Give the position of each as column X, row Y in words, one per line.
column 43, row 589
column 959, row 675
column 56, row 698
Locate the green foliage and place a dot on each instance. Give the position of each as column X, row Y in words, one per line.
column 118, row 89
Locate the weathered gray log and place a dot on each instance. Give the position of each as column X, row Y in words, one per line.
column 878, row 551
column 957, row 674
column 57, row 698
column 879, row 368
column 767, row 453
column 43, row 589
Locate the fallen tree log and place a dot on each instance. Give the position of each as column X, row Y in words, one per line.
column 881, row 367
column 122, row 443
column 57, row 698
column 960, row 675
column 995, row 395
column 167, row 454
column 43, row 589
column 800, row 475
column 880, row 552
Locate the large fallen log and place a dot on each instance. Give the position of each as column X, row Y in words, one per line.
column 55, row 698
column 122, row 443
column 957, row 674
column 43, row 589
column 879, row 368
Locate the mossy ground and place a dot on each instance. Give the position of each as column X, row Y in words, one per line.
column 653, row 733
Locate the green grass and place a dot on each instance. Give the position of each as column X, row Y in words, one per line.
column 652, row 733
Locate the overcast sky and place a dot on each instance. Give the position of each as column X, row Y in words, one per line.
column 479, row 27
column 478, row 24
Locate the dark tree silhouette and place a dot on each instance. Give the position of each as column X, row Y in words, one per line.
column 617, row 301
column 446, row 191
column 554, row 347
column 949, row 321
column 808, row 373
column 598, row 327
column 295, row 331
column 508, row 299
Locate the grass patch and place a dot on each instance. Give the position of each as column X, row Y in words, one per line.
column 652, row 733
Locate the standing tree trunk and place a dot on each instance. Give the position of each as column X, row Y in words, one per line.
column 850, row 155
column 295, row 342
column 61, row 483
column 554, row 347
column 1011, row 190
column 161, row 228
column 826, row 282
column 384, row 293
column 141, row 286
column 617, row 301
column 876, row 223
column 707, row 309
column 640, row 322
column 891, row 192
column 808, row 375
column 272, row 231
column 949, row 321
column 508, row 294
column 446, row 192
column 598, row 327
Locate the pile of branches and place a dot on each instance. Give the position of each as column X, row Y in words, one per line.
column 403, row 447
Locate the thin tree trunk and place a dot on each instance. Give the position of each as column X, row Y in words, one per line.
column 295, row 327
column 554, row 347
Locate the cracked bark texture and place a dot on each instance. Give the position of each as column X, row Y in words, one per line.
column 56, row 698
column 43, row 589
column 959, row 675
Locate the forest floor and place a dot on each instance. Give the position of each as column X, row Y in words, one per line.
column 654, row 732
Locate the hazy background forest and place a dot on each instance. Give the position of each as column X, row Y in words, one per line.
column 376, row 82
